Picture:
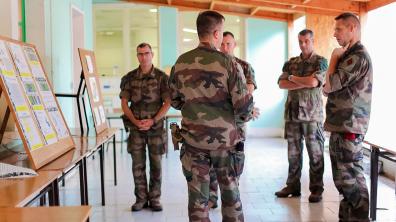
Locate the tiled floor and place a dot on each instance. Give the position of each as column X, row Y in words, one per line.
column 265, row 172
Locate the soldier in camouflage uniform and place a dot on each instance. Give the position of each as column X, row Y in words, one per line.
column 227, row 46
column 303, row 77
column 210, row 90
column 349, row 86
column 147, row 91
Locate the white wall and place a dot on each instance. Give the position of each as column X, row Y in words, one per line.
column 9, row 18
column 8, row 28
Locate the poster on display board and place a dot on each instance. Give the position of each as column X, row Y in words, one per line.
column 32, row 103
column 91, row 77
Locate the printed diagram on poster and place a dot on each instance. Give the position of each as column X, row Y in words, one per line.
column 59, row 124
column 5, row 63
column 32, row 135
column 94, row 88
column 43, row 85
column 19, row 59
column 34, row 62
column 89, row 64
column 45, row 126
column 15, row 93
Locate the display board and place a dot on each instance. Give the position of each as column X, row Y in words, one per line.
column 88, row 64
column 32, row 103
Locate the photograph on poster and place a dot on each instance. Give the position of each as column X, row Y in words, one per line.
column 102, row 114
column 89, row 64
column 94, row 89
column 98, row 121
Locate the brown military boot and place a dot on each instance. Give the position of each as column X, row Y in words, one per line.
column 139, row 205
column 288, row 191
column 315, row 197
column 155, row 205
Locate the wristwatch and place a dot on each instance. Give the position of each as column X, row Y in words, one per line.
column 289, row 77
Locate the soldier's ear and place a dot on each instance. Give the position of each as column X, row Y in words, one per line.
column 216, row 34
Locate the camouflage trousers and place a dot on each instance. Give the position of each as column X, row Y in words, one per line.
column 239, row 162
column 137, row 143
column 312, row 133
column 347, row 166
column 196, row 165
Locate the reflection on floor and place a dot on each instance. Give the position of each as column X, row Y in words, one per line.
column 265, row 172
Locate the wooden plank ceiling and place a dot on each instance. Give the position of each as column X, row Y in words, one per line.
column 273, row 9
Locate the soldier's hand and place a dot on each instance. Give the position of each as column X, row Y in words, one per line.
column 138, row 123
column 148, row 123
column 255, row 113
column 250, row 88
column 338, row 52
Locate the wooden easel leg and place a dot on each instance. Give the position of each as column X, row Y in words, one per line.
column 4, row 123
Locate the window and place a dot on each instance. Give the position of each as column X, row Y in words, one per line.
column 189, row 37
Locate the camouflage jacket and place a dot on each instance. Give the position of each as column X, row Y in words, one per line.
column 305, row 104
column 349, row 101
column 248, row 71
column 146, row 94
column 210, row 90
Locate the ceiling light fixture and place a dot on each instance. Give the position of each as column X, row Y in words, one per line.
column 189, row 30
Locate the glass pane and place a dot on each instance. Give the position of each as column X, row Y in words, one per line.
column 189, row 37
column 108, row 44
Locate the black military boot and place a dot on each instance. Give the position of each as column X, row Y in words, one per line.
column 155, row 205
column 288, row 191
column 139, row 205
column 315, row 197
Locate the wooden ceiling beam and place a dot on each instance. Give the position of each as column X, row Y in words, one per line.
column 338, row 6
column 185, row 5
column 212, row 3
column 254, row 10
column 272, row 16
column 374, row 4
column 263, row 6
column 322, row 12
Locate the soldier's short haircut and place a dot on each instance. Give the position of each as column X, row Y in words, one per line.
column 142, row 45
column 207, row 22
column 349, row 18
column 305, row 32
column 228, row 33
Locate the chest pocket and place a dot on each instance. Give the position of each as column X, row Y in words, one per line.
column 135, row 87
column 151, row 90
